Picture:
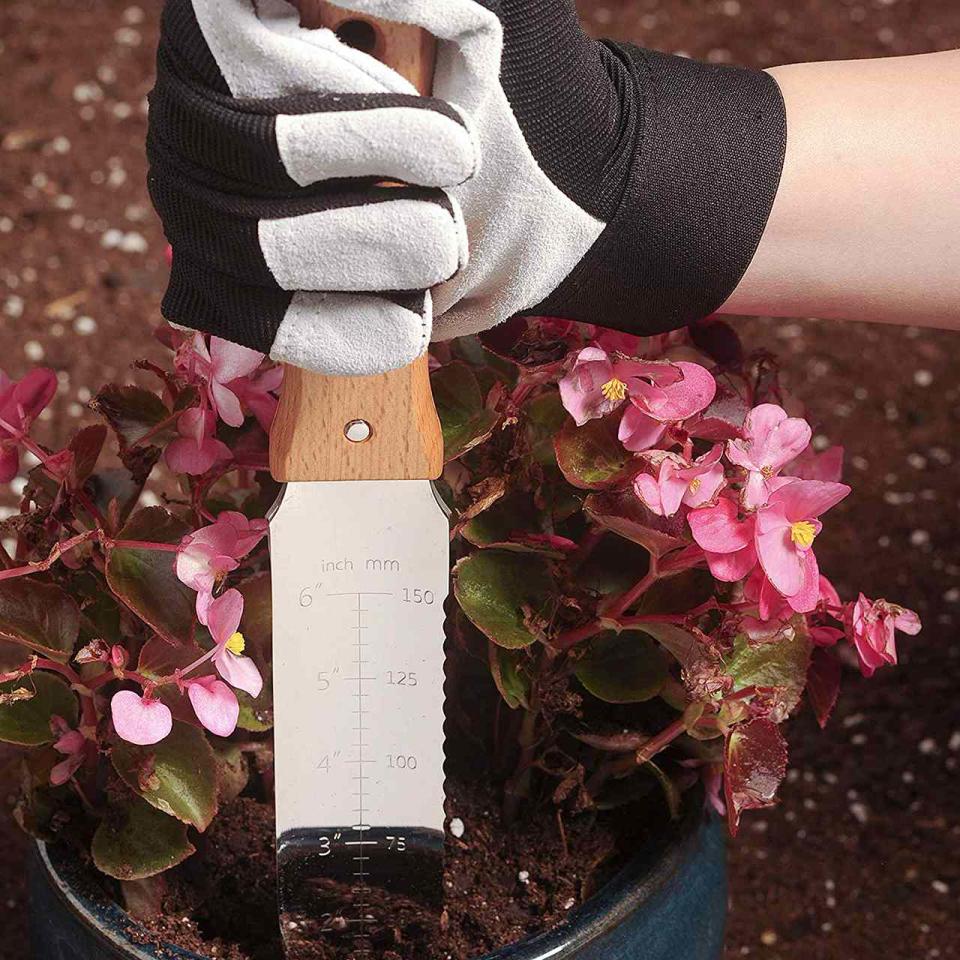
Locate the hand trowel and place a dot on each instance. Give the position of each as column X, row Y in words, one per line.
column 360, row 566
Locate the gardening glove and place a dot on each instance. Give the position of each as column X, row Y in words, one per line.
column 595, row 181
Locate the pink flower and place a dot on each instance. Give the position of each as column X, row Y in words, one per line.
column 204, row 558
column 21, row 402
column 222, row 616
column 197, row 449
column 666, row 399
column 727, row 539
column 140, row 719
column 786, row 528
column 218, row 366
column 770, row 441
column 215, row 705
column 870, row 628
column 72, row 743
column 597, row 383
column 256, row 393
column 678, row 482
column 818, row 466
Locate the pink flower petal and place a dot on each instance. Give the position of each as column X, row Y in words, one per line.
column 224, row 614
column 808, row 499
column 647, row 489
column 60, row 773
column 227, row 404
column 638, row 431
column 806, row 598
column 718, row 530
column 215, row 705
column 732, row 567
column 780, row 558
column 711, row 483
column 683, row 399
column 239, row 672
column 140, row 721
column 230, row 360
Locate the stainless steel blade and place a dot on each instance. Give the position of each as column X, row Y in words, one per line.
column 360, row 575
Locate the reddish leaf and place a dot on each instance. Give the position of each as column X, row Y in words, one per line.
column 755, row 763
column 624, row 513
column 718, row 340
column 86, row 447
column 40, row 616
column 823, row 684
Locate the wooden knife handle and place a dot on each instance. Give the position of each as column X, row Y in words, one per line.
column 309, row 439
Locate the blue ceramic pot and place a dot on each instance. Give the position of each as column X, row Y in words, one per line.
column 669, row 903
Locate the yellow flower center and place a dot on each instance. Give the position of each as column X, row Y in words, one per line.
column 236, row 644
column 614, row 390
column 695, row 484
column 803, row 533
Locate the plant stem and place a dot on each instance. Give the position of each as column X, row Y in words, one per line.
column 517, row 788
column 624, row 765
column 566, row 641
column 55, row 554
column 142, row 545
column 626, row 600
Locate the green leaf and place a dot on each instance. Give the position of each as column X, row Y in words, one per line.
column 257, row 629
column 755, row 762
column 138, row 841
column 781, row 663
column 680, row 643
column 622, row 668
column 624, row 513
column 131, row 411
column 159, row 658
column 592, row 457
column 678, row 594
column 40, row 616
column 178, row 775
column 27, row 721
column 544, row 416
column 506, row 667
column 508, row 596
column 613, row 566
column 510, row 524
column 463, row 417
column 146, row 580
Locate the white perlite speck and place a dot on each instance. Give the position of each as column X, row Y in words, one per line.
column 457, row 828
column 860, row 812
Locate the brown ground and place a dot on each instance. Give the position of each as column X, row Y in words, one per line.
column 862, row 859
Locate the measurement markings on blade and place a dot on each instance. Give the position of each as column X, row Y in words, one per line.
column 360, row 874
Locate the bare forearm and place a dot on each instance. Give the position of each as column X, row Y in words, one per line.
column 866, row 224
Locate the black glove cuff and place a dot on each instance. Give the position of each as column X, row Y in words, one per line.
column 706, row 170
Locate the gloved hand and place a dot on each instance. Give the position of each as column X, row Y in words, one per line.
column 589, row 180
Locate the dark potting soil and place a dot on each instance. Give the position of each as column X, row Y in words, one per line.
column 500, row 884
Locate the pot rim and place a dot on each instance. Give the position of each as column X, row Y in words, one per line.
column 653, row 866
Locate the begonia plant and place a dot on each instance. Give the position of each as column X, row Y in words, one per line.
column 635, row 525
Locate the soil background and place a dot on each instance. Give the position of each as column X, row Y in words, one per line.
column 862, row 857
